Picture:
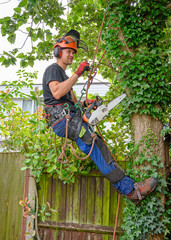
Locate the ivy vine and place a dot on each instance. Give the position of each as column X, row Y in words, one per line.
column 133, row 37
column 150, row 217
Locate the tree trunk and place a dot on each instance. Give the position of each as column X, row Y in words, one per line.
column 141, row 125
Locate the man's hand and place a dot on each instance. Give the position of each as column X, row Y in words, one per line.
column 84, row 66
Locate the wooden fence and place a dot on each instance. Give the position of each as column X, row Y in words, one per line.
column 11, row 192
column 86, row 210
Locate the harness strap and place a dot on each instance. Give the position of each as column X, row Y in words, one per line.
column 59, row 104
column 56, row 113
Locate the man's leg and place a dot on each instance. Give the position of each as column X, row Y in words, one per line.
column 125, row 185
column 104, row 161
column 134, row 191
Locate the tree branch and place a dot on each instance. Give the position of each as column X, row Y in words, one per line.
column 28, row 33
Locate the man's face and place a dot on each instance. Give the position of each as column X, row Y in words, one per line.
column 67, row 56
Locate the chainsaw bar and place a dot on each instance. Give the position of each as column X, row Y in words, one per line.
column 102, row 111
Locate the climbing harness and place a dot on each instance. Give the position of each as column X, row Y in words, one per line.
column 56, row 113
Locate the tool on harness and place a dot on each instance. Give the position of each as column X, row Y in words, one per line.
column 91, row 107
column 72, row 130
column 74, row 125
column 66, row 106
column 56, row 113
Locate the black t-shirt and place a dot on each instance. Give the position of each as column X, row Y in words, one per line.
column 54, row 73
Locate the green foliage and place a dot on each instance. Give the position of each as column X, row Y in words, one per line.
column 46, row 211
column 29, row 134
column 134, row 41
column 145, row 219
column 36, row 17
column 137, row 41
column 42, row 22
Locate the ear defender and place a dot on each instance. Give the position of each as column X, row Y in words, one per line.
column 57, row 52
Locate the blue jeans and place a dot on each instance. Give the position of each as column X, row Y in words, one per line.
column 124, row 186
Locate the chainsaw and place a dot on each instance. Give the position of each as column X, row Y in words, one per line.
column 101, row 110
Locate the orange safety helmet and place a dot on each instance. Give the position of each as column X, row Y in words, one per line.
column 65, row 42
column 70, row 40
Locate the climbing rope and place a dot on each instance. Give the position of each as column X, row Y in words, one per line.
column 116, row 219
column 90, row 78
column 60, row 158
column 62, row 155
column 94, row 136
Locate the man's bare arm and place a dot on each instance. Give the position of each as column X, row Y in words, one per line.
column 59, row 89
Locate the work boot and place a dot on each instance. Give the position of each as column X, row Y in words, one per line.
column 142, row 189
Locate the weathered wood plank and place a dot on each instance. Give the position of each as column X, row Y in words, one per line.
column 47, row 234
column 106, row 202
column 76, row 200
column 113, row 205
column 41, row 189
column 4, row 196
column 121, row 208
column 62, row 202
column 53, row 199
column 79, row 227
column 69, row 202
column 48, row 191
column 98, row 200
column 78, row 235
column 60, row 235
column 83, row 200
column 90, row 201
column 91, row 188
column 56, row 196
column 98, row 237
column 11, row 191
column 67, row 235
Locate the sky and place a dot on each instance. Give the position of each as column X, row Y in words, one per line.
column 10, row 72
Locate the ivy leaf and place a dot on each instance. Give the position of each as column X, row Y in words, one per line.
column 20, row 55
column 12, row 38
column 73, row 169
column 22, row 3
column 17, row 9
column 51, row 168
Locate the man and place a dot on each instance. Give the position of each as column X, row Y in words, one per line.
column 57, row 91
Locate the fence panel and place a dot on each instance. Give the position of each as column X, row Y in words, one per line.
column 85, row 210
column 11, row 192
